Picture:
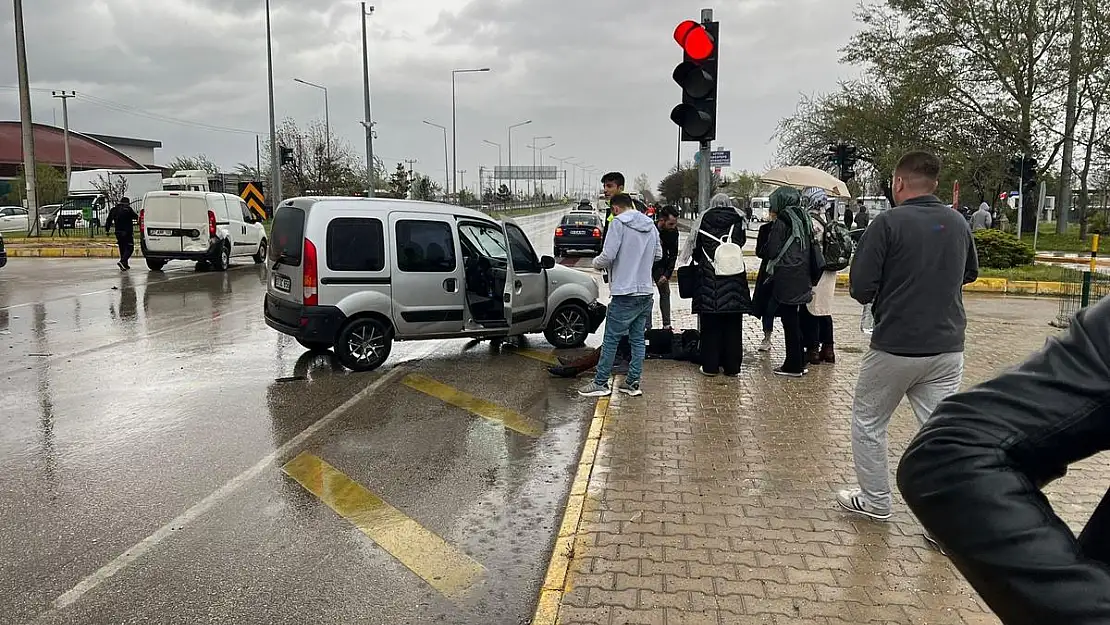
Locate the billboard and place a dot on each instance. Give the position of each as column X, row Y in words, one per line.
column 526, row 172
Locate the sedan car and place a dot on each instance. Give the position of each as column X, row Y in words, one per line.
column 47, row 216
column 3, row 252
column 579, row 231
column 14, row 219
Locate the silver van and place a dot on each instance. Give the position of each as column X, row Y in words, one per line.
column 356, row 274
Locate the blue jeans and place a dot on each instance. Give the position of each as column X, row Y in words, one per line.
column 627, row 315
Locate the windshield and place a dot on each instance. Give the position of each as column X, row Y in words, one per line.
column 287, row 236
column 580, row 220
column 486, row 240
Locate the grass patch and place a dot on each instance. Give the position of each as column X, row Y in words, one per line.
column 1034, row 273
column 1049, row 241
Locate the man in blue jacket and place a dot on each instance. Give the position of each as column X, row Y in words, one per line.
column 631, row 248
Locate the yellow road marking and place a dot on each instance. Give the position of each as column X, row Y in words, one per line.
column 476, row 405
column 443, row 567
column 556, row 582
column 535, row 354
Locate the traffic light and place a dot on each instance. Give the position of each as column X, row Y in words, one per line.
column 844, row 156
column 286, row 155
column 697, row 75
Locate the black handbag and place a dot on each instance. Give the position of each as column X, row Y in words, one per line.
column 816, row 263
column 687, row 281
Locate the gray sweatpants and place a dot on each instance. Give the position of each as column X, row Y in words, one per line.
column 883, row 380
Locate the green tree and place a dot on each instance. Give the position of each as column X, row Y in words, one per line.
column 50, row 186
column 503, row 194
column 424, row 189
column 198, row 162
column 399, row 182
column 744, row 184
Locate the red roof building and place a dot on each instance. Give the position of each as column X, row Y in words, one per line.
column 86, row 152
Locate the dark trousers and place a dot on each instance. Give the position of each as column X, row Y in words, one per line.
column 816, row 330
column 126, row 245
column 792, row 336
column 722, row 342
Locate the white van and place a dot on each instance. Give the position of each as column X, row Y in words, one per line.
column 209, row 228
column 356, row 274
column 761, row 208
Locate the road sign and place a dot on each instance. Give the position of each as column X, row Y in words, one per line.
column 720, row 158
column 251, row 193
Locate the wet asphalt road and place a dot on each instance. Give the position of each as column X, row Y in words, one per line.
column 145, row 421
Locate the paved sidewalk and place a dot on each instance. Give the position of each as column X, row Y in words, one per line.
column 711, row 499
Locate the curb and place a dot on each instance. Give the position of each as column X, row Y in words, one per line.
column 67, row 252
column 1000, row 286
column 556, row 582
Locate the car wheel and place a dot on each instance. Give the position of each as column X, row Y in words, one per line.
column 363, row 344
column 568, row 327
column 558, row 253
column 155, row 264
column 261, row 255
column 314, row 346
column 223, row 258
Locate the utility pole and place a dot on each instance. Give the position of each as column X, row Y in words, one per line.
column 65, row 96
column 257, row 156
column 368, row 124
column 25, row 121
column 462, row 172
column 275, row 161
column 411, row 162
column 1076, row 51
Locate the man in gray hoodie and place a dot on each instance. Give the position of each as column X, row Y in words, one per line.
column 631, row 247
column 981, row 219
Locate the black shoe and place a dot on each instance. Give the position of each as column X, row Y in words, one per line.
column 788, row 374
column 122, row 267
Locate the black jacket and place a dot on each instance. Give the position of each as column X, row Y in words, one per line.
column 974, row 473
column 123, row 217
column 665, row 266
column 790, row 283
column 719, row 294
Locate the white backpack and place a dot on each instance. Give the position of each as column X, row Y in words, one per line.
column 728, row 260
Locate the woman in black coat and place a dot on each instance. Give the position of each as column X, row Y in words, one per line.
column 720, row 301
column 790, row 287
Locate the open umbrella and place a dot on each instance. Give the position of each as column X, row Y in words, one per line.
column 801, row 177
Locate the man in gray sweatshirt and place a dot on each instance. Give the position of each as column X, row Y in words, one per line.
column 631, row 247
column 911, row 265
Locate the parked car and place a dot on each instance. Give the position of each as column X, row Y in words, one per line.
column 3, row 252
column 209, row 228
column 47, row 216
column 357, row 274
column 579, row 231
column 14, row 219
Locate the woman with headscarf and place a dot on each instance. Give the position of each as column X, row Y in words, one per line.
column 817, row 322
column 720, row 301
column 787, row 251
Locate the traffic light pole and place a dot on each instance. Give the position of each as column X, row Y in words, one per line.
column 705, row 181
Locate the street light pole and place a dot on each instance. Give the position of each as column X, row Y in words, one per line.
column 327, row 116
column 512, row 178
column 454, row 134
column 65, row 96
column 533, row 146
column 367, row 124
column 275, row 162
column 25, row 121
column 446, row 166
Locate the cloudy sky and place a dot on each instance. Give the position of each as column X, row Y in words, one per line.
column 592, row 74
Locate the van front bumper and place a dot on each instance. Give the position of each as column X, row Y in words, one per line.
column 315, row 324
column 596, row 311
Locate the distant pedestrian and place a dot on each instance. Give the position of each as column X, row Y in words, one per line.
column 123, row 217
column 849, row 217
column 911, row 266
column 816, row 316
column 863, row 217
column 631, row 248
column 721, row 300
column 974, row 476
column 787, row 252
column 981, row 219
column 663, row 269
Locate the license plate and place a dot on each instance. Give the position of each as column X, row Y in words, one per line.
column 161, row 233
column 578, row 232
column 282, row 283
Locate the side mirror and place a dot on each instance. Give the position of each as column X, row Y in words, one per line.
column 547, row 262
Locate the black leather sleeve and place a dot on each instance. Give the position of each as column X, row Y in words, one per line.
column 974, row 472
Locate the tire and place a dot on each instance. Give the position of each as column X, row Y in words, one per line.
column 155, row 264
column 223, row 259
column 363, row 344
column 568, row 327
column 261, row 254
column 314, row 346
column 558, row 253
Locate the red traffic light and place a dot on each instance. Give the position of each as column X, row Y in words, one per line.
column 695, row 40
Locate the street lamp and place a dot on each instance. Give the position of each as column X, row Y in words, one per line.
column 327, row 116
column 446, row 168
column 275, row 163
column 498, row 146
column 533, row 146
column 512, row 178
column 454, row 137
column 539, row 162
column 368, row 123
column 563, row 162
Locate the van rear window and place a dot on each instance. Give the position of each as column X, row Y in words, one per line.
column 287, row 236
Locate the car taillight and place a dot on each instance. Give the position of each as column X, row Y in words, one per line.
column 597, row 233
column 311, row 295
column 211, row 224
column 142, row 220
column 558, row 232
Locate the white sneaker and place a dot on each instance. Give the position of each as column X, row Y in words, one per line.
column 852, row 500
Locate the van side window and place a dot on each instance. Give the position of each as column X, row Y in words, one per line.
column 356, row 244
column 425, row 246
column 248, row 215
column 524, row 257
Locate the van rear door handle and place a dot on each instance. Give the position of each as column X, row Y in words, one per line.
column 450, row 285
